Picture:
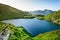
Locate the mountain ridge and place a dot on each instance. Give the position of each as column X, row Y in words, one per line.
column 42, row 12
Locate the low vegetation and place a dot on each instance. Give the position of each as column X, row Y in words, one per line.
column 55, row 17
column 53, row 35
column 8, row 12
column 41, row 17
column 19, row 33
column 16, row 33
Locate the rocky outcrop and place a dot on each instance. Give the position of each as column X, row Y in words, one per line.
column 5, row 33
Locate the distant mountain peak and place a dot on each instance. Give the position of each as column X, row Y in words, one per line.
column 42, row 12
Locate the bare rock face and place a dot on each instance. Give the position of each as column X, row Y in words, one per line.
column 4, row 35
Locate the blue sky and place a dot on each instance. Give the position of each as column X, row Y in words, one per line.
column 30, row 5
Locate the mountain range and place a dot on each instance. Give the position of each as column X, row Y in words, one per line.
column 41, row 12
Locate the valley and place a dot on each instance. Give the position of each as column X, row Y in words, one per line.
column 22, row 24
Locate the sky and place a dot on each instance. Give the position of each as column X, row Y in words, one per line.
column 31, row 5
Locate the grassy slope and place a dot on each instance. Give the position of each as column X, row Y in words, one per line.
column 55, row 17
column 19, row 33
column 54, row 35
column 8, row 12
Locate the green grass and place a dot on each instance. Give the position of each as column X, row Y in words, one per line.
column 8, row 12
column 53, row 35
column 19, row 33
column 54, row 17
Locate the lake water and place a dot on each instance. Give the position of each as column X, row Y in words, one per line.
column 34, row 26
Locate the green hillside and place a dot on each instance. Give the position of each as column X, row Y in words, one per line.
column 55, row 17
column 8, row 12
column 16, row 33
column 19, row 33
column 54, row 35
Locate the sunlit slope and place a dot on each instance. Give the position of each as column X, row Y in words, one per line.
column 8, row 12
column 54, row 35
